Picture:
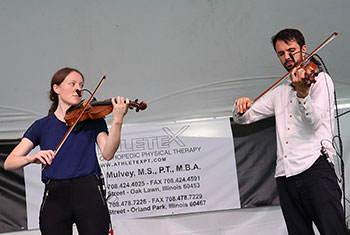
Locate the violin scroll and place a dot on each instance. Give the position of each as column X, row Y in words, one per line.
column 138, row 106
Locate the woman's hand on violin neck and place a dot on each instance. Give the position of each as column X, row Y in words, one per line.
column 120, row 108
column 300, row 82
column 109, row 144
column 44, row 157
column 243, row 104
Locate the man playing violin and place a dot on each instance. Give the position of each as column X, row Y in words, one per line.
column 73, row 186
column 304, row 114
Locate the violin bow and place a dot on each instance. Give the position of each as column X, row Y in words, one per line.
column 323, row 44
column 72, row 126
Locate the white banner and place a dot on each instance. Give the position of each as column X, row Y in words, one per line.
column 162, row 170
column 172, row 169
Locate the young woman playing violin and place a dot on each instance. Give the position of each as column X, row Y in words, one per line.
column 73, row 188
column 304, row 114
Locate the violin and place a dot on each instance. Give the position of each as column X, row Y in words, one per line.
column 95, row 110
column 312, row 68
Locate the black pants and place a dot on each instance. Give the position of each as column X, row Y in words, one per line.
column 312, row 196
column 80, row 201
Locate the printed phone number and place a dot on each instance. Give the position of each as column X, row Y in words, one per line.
column 141, row 183
column 154, row 200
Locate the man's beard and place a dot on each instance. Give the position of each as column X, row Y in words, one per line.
column 290, row 65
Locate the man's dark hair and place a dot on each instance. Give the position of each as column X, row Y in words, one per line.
column 287, row 35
